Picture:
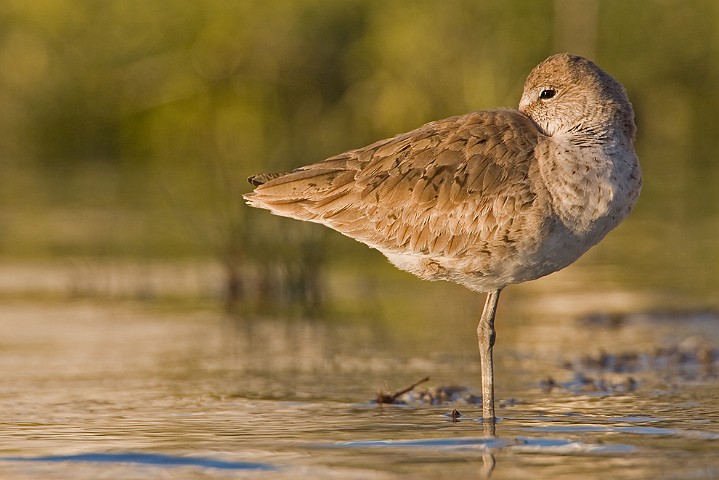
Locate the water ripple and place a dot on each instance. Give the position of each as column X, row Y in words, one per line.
column 152, row 459
column 549, row 445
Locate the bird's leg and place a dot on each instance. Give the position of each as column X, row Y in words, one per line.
column 485, row 337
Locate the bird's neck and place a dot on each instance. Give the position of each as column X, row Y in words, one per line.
column 593, row 181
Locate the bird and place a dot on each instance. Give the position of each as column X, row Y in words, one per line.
column 486, row 199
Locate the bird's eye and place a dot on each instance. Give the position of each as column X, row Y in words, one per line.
column 547, row 93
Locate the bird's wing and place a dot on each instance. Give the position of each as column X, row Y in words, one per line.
column 434, row 190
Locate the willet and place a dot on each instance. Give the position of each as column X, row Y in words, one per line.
column 487, row 199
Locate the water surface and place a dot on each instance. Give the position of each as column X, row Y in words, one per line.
column 99, row 389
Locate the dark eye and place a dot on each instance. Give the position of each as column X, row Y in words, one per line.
column 547, row 93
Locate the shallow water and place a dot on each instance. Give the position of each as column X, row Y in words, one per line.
column 94, row 389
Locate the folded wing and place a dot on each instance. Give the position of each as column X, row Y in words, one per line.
column 437, row 190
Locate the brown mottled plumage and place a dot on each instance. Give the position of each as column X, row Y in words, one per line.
column 485, row 199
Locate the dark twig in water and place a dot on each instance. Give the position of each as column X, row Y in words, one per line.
column 392, row 398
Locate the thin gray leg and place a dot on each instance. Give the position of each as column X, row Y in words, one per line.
column 485, row 337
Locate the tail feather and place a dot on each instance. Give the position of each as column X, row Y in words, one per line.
column 304, row 193
column 262, row 178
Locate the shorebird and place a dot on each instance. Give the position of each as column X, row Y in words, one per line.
column 486, row 199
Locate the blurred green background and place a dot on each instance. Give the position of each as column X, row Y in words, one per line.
column 128, row 128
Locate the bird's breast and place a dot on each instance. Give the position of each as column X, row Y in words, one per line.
column 591, row 189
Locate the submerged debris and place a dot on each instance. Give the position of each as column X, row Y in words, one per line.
column 455, row 415
column 394, row 398
column 694, row 358
column 586, row 384
column 429, row 396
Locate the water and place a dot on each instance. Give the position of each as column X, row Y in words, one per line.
column 106, row 389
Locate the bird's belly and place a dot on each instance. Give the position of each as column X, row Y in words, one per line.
column 487, row 267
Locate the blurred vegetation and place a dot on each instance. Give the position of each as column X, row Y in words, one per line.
column 127, row 128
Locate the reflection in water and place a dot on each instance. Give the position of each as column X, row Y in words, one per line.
column 488, row 463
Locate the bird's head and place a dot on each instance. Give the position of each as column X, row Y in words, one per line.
column 567, row 94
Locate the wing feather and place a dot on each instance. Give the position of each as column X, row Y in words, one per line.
column 437, row 190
